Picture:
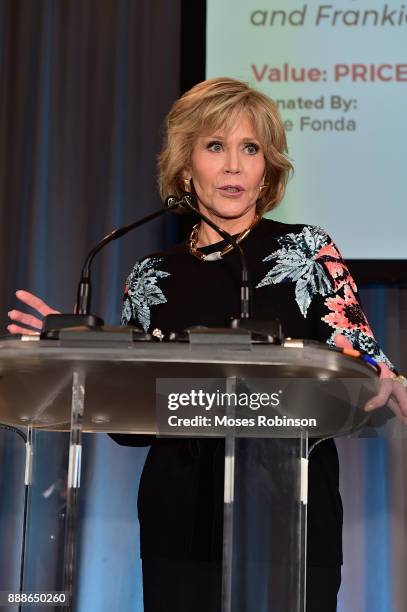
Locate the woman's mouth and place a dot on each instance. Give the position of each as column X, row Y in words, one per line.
column 233, row 190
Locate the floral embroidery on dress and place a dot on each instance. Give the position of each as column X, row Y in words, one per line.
column 348, row 318
column 332, row 260
column 312, row 261
column 299, row 260
column 142, row 291
column 346, row 313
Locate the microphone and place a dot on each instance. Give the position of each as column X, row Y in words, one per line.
column 187, row 201
column 82, row 317
column 84, row 289
column 262, row 330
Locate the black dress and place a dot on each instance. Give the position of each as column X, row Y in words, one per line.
column 299, row 278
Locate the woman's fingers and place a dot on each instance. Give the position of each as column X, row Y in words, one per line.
column 400, row 396
column 31, row 300
column 16, row 329
column 395, row 408
column 393, row 405
column 393, row 394
column 380, row 399
column 25, row 319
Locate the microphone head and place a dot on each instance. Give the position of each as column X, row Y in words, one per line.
column 187, row 201
column 171, row 202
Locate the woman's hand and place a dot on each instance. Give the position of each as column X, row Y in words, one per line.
column 25, row 319
column 392, row 392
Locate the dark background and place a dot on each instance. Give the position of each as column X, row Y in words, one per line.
column 84, row 88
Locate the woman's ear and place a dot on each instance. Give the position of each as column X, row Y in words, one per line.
column 186, row 179
column 186, row 174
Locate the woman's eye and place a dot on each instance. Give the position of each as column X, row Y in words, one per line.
column 214, row 146
column 251, row 148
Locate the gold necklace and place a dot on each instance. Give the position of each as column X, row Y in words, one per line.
column 193, row 239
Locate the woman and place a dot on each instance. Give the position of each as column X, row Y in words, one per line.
column 225, row 143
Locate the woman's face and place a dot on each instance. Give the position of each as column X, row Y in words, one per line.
column 227, row 170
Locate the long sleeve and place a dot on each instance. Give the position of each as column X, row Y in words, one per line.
column 339, row 310
column 324, row 291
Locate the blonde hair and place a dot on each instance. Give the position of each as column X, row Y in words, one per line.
column 216, row 104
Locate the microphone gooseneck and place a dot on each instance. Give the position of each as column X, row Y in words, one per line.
column 53, row 323
column 84, row 288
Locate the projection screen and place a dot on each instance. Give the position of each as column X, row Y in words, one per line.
column 338, row 73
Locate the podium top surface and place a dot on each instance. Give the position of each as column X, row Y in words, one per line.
column 120, row 382
column 296, row 357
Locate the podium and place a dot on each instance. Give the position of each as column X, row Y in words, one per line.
column 102, row 383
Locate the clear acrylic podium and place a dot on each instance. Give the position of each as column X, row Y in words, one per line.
column 99, row 384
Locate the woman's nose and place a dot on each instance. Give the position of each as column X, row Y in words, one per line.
column 232, row 162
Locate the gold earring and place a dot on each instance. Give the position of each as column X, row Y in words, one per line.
column 187, row 184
